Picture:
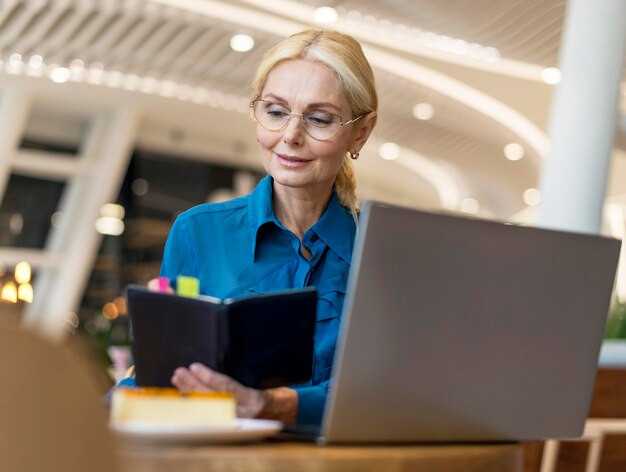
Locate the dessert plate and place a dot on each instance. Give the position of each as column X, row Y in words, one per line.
column 244, row 430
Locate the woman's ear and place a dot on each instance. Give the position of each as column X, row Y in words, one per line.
column 364, row 130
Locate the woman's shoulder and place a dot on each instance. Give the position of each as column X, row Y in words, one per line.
column 215, row 210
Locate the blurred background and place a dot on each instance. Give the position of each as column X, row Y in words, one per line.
column 117, row 115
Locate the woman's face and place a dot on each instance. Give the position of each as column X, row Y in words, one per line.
column 292, row 157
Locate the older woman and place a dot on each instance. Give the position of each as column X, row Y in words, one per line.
column 315, row 106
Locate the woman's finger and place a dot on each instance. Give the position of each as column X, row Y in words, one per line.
column 213, row 379
column 186, row 381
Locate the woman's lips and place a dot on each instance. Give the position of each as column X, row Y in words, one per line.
column 291, row 161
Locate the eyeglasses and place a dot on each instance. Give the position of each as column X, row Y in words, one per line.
column 320, row 125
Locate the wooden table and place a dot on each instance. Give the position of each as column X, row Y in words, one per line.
column 275, row 456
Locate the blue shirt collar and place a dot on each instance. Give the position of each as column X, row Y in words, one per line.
column 336, row 227
column 260, row 210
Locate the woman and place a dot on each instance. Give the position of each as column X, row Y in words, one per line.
column 315, row 107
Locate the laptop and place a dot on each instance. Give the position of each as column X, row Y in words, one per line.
column 465, row 330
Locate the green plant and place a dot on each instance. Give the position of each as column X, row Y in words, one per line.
column 616, row 322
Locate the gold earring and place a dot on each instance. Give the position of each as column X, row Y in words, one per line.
column 354, row 155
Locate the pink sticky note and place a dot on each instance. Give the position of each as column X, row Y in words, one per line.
column 164, row 284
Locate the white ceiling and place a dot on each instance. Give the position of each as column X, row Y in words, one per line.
column 172, row 60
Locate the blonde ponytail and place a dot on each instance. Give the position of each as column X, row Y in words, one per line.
column 345, row 186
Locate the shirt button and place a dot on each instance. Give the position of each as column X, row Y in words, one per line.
column 314, row 238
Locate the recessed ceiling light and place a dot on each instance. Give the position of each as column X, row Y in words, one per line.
column 35, row 61
column 389, row 151
column 77, row 65
column 109, row 226
column 423, row 111
column 112, row 210
column 22, row 272
column 551, row 75
column 492, row 54
column 325, row 15
column 532, row 197
column 15, row 60
column 469, row 205
column 241, row 42
column 514, row 151
column 60, row 74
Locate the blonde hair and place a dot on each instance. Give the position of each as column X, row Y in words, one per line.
column 343, row 55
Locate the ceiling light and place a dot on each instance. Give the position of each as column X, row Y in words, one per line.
column 469, row 205
column 200, row 95
column 532, row 197
column 131, row 81
column 9, row 292
column 389, row 151
column 112, row 210
column 423, row 111
column 551, row 75
column 241, row 42
column 60, row 75
column 109, row 226
column 325, row 15
column 514, row 151
column 35, row 61
column 460, row 47
column 167, row 88
column 25, row 293
column 15, row 60
column 492, row 54
column 149, row 85
column 184, row 92
column 77, row 65
column 22, row 272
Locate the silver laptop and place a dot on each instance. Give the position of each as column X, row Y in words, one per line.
column 459, row 329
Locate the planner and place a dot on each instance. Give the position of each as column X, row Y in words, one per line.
column 262, row 341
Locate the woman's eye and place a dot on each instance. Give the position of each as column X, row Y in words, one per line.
column 276, row 111
column 320, row 119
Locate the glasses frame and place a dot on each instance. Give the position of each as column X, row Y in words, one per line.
column 301, row 115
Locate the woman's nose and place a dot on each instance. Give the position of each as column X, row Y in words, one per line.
column 294, row 131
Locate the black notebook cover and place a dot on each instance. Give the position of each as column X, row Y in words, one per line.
column 262, row 341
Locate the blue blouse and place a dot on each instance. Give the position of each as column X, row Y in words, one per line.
column 239, row 247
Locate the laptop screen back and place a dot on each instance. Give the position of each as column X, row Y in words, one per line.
column 459, row 329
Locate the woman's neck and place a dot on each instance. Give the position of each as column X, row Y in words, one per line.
column 299, row 209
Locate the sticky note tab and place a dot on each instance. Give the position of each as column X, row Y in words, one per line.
column 187, row 286
column 164, row 284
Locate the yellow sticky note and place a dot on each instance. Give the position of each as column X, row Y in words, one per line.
column 187, row 286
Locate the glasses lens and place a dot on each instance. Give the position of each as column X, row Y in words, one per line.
column 271, row 116
column 320, row 124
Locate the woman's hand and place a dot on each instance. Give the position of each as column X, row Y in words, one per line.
column 250, row 402
column 275, row 403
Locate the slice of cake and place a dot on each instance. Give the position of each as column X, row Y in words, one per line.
column 170, row 406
